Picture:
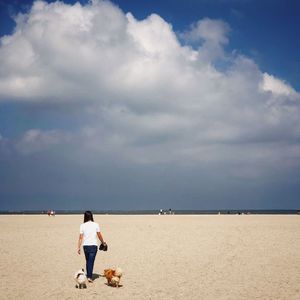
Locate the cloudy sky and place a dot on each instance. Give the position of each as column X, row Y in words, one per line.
column 148, row 104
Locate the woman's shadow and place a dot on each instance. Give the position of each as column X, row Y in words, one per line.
column 96, row 276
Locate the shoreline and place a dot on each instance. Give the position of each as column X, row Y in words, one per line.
column 156, row 212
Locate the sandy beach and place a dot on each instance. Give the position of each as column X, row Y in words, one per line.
column 163, row 257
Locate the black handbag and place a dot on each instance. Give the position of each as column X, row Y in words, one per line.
column 103, row 247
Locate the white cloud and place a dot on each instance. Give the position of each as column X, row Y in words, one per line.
column 276, row 86
column 208, row 30
column 36, row 140
column 212, row 36
column 148, row 98
column 152, row 36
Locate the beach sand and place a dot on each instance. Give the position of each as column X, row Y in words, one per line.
column 163, row 257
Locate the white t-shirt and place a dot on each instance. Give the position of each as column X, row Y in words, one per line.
column 89, row 230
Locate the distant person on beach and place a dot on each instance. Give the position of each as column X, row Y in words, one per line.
column 51, row 213
column 88, row 232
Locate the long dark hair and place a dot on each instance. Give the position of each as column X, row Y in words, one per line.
column 88, row 216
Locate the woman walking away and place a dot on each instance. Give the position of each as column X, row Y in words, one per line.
column 88, row 233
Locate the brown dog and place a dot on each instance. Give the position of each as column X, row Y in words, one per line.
column 113, row 276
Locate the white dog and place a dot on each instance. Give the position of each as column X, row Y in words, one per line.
column 80, row 279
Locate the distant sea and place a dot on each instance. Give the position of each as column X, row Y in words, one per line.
column 155, row 212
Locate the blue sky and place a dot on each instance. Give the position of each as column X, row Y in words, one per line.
column 149, row 104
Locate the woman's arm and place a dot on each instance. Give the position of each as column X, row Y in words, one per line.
column 100, row 237
column 79, row 242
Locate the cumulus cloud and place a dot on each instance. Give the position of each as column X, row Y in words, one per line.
column 211, row 35
column 276, row 86
column 214, row 31
column 145, row 97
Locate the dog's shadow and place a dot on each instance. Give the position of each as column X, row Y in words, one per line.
column 78, row 286
column 120, row 285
